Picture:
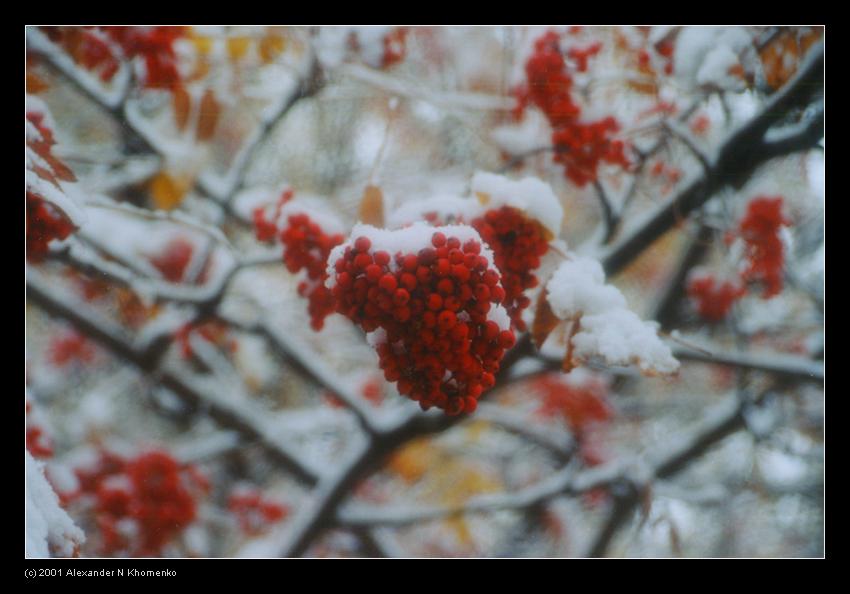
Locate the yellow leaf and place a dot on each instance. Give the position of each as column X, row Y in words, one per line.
column 202, row 44
column 372, row 207
column 34, row 83
column 237, row 47
column 166, row 191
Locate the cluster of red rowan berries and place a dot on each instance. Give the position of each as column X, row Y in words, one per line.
column 254, row 512
column 89, row 47
column 395, row 46
column 518, row 243
column 174, row 259
column 38, row 442
column 439, row 344
column 306, row 246
column 759, row 229
column 714, row 298
column 579, row 147
column 155, row 45
column 141, row 503
column 212, row 331
column 70, row 346
column 44, row 223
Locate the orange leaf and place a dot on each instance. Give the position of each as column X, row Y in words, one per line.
column 372, row 206
column 271, row 46
column 182, row 103
column 35, row 84
column 643, row 86
column 167, row 192
column 208, row 117
column 544, row 322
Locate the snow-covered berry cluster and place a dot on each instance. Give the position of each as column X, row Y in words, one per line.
column 518, row 244
column 430, row 297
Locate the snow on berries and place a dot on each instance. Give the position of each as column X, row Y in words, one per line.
column 602, row 324
column 515, row 218
column 430, row 300
column 308, row 234
column 759, row 229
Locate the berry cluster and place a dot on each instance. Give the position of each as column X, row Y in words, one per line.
column 68, row 347
column 579, row 146
column 759, row 230
column 581, row 56
column 155, row 45
column 88, row 47
column 255, row 513
column 713, row 298
column 579, row 403
column 44, row 224
column 433, row 308
column 583, row 404
column 306, row 246
column 668, row 174
column 395, row 43
column 38, row 442
column 212, row 331
column 518, row 243
column 174, row 259
column 142, row 503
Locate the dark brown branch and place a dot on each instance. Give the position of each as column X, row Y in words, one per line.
column 736, row 160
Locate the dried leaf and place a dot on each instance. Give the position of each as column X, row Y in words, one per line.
column 182, row 103
column 35, row 84
column 372, row 206
column 544, row 322
column 483, row 198
column 568, row 365
column 782, row 55
column 271, row 46
column 208, row 116
column 643, row 86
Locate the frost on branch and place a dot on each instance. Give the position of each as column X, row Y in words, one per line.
column 429, row 298
column 602, row 324
column 49, row 529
